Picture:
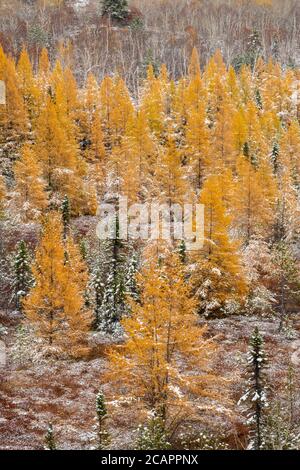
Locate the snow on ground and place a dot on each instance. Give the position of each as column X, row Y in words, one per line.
column 63, row 393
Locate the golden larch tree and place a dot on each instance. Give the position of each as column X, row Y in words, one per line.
column 55, row 305
column 29, row 197
column 13, row 114
column 218, row 278
column 28, row 86
column 170, row 183
column 256, row 188
column 163, row 344
column 198, row 146
column 2, row 195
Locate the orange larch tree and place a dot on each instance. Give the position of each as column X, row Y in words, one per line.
column 55, row 305
column 29, row 198
column 163, row 344
column 218, row 280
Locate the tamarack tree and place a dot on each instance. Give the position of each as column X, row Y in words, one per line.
column 55, row 305
column 162, row 335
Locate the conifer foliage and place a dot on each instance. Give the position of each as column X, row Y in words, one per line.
column 50, row 443
column 102, row 415
column 152, row 435
column 117, row 9
column 55, row 305
column 225, row 137
column 23, row 279
column 162, row 327
column 256, row 393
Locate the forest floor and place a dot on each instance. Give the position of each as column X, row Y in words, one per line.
column 63, row 392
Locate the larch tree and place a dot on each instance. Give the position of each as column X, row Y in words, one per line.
column 139, row 153
column 286, row 225
column 256, row 187
column 153, row 103
column 197, row 145
column 116, row 110
column 63, row 168
column 218, row 278
column 13, row 116
column 28, row 86
column 255, row 148
column 55, row 305
column 162, row 335
column 2, row 195
column 97, row 149
column 29, row 196
column 289, row 152
column 222, row 137
column 170, row 183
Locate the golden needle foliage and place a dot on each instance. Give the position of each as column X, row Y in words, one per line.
column 55, row 305
column 163, row 344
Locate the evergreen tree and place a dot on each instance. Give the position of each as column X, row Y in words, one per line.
column 66, row 215
column 112, row 306
column 274, row 157
column 116, row 9
column 23, row 279
column 254, row 48
column 279, row 434
column 113, row 297
column 50, row 443
column 131, row 286
column 182, row 252
column 252, row 53
column 83, row 249
column 102, row 415
column 152, row 436
column 256, row 394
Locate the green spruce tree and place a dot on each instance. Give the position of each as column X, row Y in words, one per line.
column 275, row 156
column 114, row 291
column 115, row 9
column 131, row 285
column 23, row 279
column 256, row 394
column 66, row 215
column 102, row 415
column 152, row 436
column 182, row 252
column 50, row 443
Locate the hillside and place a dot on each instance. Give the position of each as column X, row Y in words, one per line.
column 149, row 225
